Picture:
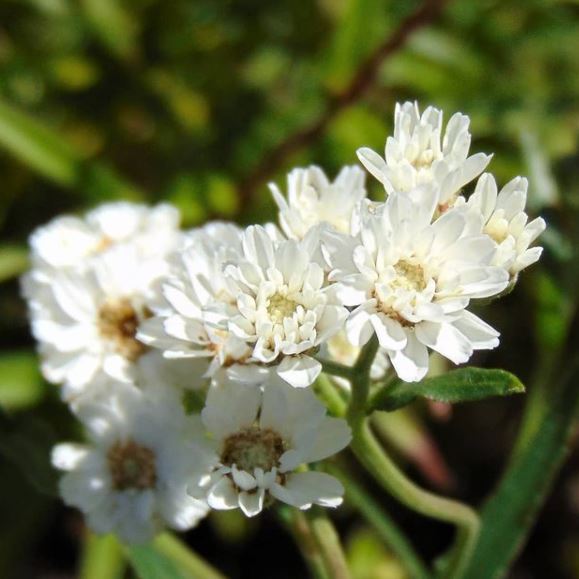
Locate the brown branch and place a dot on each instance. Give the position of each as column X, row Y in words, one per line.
column 364, row 78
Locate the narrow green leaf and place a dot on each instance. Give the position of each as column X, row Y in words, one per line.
column 463, row 385
column 13, row 261
column 509, row 514
column 150, row 564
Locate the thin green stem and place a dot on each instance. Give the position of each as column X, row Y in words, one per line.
column 386, row 528
column 334, row 402
column 299, row 526
column 336, row 369
column 386, row 472
column 102, row 556
column 329, row 541
column 174, row 549
column 393, row 480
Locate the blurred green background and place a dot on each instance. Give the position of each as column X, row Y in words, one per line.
column 182, row 100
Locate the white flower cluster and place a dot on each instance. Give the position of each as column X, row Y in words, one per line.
column 133, row 317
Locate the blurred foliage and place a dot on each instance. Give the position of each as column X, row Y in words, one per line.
column 180, row 100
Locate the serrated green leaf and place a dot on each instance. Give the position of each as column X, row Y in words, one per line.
column 463, row 385
column 150, row 564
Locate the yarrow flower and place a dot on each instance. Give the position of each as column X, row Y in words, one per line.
column 286, row 308
column 415, row 154
column 312, row 199
column 505, row 221
column 93, row 281
column 132, row 477
column 411, row 281
column 261, row 437
column 68, row 241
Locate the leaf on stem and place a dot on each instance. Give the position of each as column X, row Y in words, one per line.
column 462, row 385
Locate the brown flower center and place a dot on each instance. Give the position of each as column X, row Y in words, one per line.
column 132, row 466
column 118, row 322
column 253, row 448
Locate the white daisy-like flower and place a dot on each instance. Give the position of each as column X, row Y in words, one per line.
column 261, row 438
column 412, row 281
column 418, row 154
column 312, row 199
column 199, row 303
column 506, row 222
column 286, row 308
column 68, row 241
column 86, row 319
column 132, row 477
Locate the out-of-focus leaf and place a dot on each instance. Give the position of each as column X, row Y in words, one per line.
column 37, row 146
column 150, row 564
column 188, row 106
column 115, row 27
column 221, row 195
column 462, row 385
column 46, row 152
column 364, row 23
column 543, row 190
column 27, row 445
column 13, row 261
column 74, row 72
column 21, row 385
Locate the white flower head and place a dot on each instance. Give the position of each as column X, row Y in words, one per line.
column 86, row 319
column 132, row 477
column 199, row 303
column 419, row 154
column 312, row 199
column 261, row 437
column 506, row 222
column 68, row 241
column 285, row 307
column 412, row 281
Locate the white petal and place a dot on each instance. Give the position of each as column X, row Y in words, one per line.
column 222, row 495
column 410, row 363
column 68, row 456
column 299, row 371
column 303, row 489
column 446, row 340
column 251, row 503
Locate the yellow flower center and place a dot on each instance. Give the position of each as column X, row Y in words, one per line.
column 410, row 276
column 280, row 307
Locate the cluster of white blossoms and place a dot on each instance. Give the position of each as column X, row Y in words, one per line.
column 134, row 318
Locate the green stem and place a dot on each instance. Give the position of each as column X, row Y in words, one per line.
column 174, row 549
column 330, row 395
column 336, row 369
column 298, row 525
column 393, row 480
column 329, row 542
column 102, row 556
column 382, row 523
